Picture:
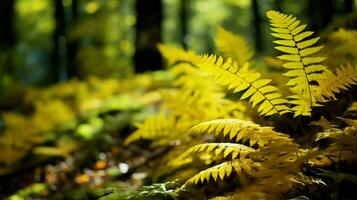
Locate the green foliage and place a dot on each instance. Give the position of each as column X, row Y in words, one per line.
column 34, row 189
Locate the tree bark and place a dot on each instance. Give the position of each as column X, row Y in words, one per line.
column 183, row 18
column 58, row 70
column 7, row 35
column 348, row 6
column 321, row 12
column 257, row 23
column 148, row 35
column 73, row 43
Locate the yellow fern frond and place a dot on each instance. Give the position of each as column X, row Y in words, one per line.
column 233, row 46
column 352, row 108
column 182, row 102
column 196, row 105
column 241, row 130
column 221, row 171
column 159, row 127
column 305, row 70
column 331, row 133
column 175, row 55
column 340, row 47
column 323, row 123
column 345, row 77
column 225, row 149
column 258, row 91
column 344, row 143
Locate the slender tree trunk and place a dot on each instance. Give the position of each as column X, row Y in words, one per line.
column 257, row 23
column 184, row 17
column 73, row 43
column 58, row 70
column 278, row 6
column 148, row 35
column 7, row 35
column 321, row 12
column 348, row 6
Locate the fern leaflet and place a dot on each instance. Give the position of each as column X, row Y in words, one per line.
column 305, row 71
column 221, row 171
column 344, row 78
column 225, row 149
column 159, row 128
column 176, row 55
column 241, row 130
column 259, row 91
column 233, row 46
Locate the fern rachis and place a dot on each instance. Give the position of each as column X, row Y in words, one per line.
column 305, row 72
column 231, row 150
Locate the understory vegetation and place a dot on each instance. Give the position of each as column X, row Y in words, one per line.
column 212, row 126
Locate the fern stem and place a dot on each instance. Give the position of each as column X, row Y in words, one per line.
column 303, row 68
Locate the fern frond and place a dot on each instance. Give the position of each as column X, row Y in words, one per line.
column 343, row 146
column 352, row 108
column 221, row 171
column 340, row 47
column 159, row 127
column 233, row 46
column 352, row 123
column 225, row 149
column 308, row 181
column 332, row 133
column 182, row 102
column 227, row 73
column 175, row 55
column 305, row 70
column 345, row 77
column 323, row 123
column 196, row 105
column 240, row 130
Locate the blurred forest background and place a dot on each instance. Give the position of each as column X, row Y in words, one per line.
column 43, row 42
column 47, row 42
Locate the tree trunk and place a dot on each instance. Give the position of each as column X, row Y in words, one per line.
column 257, row 23
column 148, row 35
column 184, row 17
column 7, row 35
column 58, row 70
column 348, row 6
column 73, row 44
column 321, row 12
column 278, row 6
